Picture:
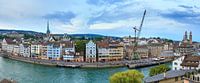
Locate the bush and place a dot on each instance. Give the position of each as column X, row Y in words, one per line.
column 158, row 70
column 130, row 76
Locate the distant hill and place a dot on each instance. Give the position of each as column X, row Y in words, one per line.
column 2, row 31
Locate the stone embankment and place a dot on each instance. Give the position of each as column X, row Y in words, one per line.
column 125, row 63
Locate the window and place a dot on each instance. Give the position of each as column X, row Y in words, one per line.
column 176, row 79
column 90, row 51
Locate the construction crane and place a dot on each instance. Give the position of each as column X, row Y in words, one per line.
column 138, row 32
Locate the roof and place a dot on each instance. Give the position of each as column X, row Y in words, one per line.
column 102, row 44
column 9, row 41
column 188, row 64
column 168, row 75
column 192, row 58
column 191, row 61
column 67, row 44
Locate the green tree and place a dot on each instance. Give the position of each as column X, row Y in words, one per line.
column 80, row 45
column 158, row 70
column 129, row 76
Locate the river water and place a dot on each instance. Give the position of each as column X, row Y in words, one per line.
column 32, row 73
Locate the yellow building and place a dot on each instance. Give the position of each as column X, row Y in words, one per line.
column 116, row 51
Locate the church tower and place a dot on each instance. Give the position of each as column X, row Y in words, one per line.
column 185, row 40
column 190, row 38
column 48, row 31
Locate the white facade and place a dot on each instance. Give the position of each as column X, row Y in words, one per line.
column 16, row 50
column 25, row 50
column 91, row 51
column 176, row 64
column 10, row 48
column 54, row 52
column 36, row 49
column 4, row 45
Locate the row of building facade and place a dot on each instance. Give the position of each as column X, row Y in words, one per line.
column 65, row 50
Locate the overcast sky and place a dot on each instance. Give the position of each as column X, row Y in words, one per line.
column 164, row 18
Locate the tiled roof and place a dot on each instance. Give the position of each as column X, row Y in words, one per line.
column 102, row 44
column 9, row 41
column 191, row 61
column 67, row 44
column 169, row 74
column 192, row 58
column 188, row 64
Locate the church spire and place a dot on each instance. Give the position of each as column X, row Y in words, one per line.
column 190, row 38
column 48, row 31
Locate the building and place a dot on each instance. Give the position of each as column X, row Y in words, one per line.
column 186, row 62
column 54, row 51
column 103, row 51
column 44, row 50
column 91, row 52
column 172, row 76
column 49, row 37
column 5, row 43
column 143, row 51
column 116, row 51
column 16, row 49
column 25, row 50
column 168, row 46
column 155, row 50
column 36, row 49
column 193, row 77
column 186, row 46
column 68, row 48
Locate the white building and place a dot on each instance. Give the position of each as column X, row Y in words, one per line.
column 36, row 49
column 7, row 45
column 25, row 50
column 91, row 51
column 16, row 49
column 54, row 51
column 68, row 50
column 186, row 62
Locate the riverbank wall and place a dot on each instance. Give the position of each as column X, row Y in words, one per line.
column 129, row 64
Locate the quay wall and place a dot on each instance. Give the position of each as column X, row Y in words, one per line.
column 129, row 64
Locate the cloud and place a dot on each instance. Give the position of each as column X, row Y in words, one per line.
column 101, row 2
column 187, row 17
column 185, row 6
column 64, row 17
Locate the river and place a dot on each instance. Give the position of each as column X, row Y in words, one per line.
column 32, row 73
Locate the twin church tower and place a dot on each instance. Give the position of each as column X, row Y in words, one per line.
column 185, row 38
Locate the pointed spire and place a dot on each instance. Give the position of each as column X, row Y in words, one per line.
column 185, row 35
column 48, row 31
column 190, row 37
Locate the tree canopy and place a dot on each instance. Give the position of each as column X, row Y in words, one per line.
column 158, row 70
column 129, row 76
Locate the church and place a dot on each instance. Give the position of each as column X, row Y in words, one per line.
column 49, row 37
column 54, row 37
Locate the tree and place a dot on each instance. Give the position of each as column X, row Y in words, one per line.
column 158, row 70
column 80, row 45
column 129, row 76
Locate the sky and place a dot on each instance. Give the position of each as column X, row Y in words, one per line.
column 164, row 18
